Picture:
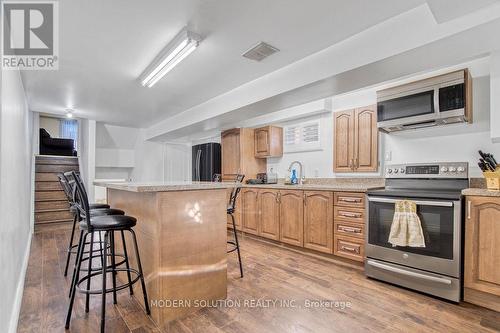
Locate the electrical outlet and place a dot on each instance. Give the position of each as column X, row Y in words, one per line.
column 388, row 156
column 316, row 173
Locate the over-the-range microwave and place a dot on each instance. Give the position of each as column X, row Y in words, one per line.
column 439, row 100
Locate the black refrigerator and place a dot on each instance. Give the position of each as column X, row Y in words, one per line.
column 206, row 161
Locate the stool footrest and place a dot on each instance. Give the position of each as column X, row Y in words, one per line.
column 110, row 290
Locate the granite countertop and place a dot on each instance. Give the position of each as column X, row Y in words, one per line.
column 339, row 187
column 163, row 186
column 317, row 184
column 483, row 192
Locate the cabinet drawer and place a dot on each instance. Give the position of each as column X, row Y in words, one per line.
column 354, row 215
column 349, row 229
column 349, row 199
column 349, row 247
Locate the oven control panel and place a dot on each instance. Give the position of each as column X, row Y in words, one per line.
column 428, row 170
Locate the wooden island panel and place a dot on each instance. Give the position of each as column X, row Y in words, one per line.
column 182, row 241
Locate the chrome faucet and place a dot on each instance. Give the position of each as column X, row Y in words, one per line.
column 301, row 175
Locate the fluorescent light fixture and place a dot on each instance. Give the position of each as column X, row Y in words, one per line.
column 179, row 48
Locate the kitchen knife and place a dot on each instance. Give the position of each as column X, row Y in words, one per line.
column 487, row 164
column 482, row 166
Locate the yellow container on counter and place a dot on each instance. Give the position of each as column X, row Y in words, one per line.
column 492, row 179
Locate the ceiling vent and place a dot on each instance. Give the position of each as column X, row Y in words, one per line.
column 260, row 51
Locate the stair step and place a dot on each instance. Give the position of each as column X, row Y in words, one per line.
column 51, row 210
column 48, row 159
column 55, row 168
column 51, row 205
column 53, row 216
column 55, row 221
column 50, row 196
column 48, row 186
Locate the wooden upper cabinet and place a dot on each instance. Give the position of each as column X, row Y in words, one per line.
column 269, row 213
column 230, row 144
column 366, row 139
column 250, row 210
column 356, row 140
column 268, row 142
column 318, row 221
column 292, row 217
column 344, row 141
column 482, row 252
column 238, row 154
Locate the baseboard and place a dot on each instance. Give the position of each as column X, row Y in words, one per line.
column 16, row 308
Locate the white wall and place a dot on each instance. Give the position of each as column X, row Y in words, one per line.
column 51, row 125
column 115, row 156
column 451, row 143
column 495, row 96
column 149, row 157
column 16, row 129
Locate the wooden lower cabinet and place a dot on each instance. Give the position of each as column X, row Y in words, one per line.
column 269, row 213
column 308, row 219
column 250, row 210
column 482, row 252
column 318, row 221
column 292, row 217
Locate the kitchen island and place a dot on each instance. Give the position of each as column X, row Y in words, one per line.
column 181, row 231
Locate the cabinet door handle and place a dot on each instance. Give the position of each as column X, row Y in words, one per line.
column 356, row 163
column 349, row 249
column 468, row 209
column 305, row 199
column 346, row 214
column 350, row 230
column 344, row 199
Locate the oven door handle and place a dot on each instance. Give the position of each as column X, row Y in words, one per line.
column 408, row 273
column 418, row 202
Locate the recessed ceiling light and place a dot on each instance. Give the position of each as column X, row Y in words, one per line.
column 69, row 113
column 179, row 48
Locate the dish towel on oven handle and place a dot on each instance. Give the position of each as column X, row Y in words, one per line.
column 406, row 228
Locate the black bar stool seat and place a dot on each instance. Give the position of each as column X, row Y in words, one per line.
column 106, row 211
column 110, row 222
column 98, row 206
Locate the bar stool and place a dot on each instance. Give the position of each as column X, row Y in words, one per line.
column 95, row 210
column 234, row 244
column 108, row 224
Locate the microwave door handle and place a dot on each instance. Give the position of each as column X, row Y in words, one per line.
column 420, row 125
column 418, row 202
column 408, row 273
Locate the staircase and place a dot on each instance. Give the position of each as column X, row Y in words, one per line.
column 51, row 204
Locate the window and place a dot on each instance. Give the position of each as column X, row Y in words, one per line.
column 68, row 129
column 302, row 137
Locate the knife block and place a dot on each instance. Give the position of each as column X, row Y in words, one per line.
column 492, row 179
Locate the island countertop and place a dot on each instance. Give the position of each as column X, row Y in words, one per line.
column 164, row 186
column 336, row 185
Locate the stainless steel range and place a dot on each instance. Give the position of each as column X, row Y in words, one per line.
column 436, row 188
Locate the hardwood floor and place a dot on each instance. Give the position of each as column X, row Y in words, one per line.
column 271, row 273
